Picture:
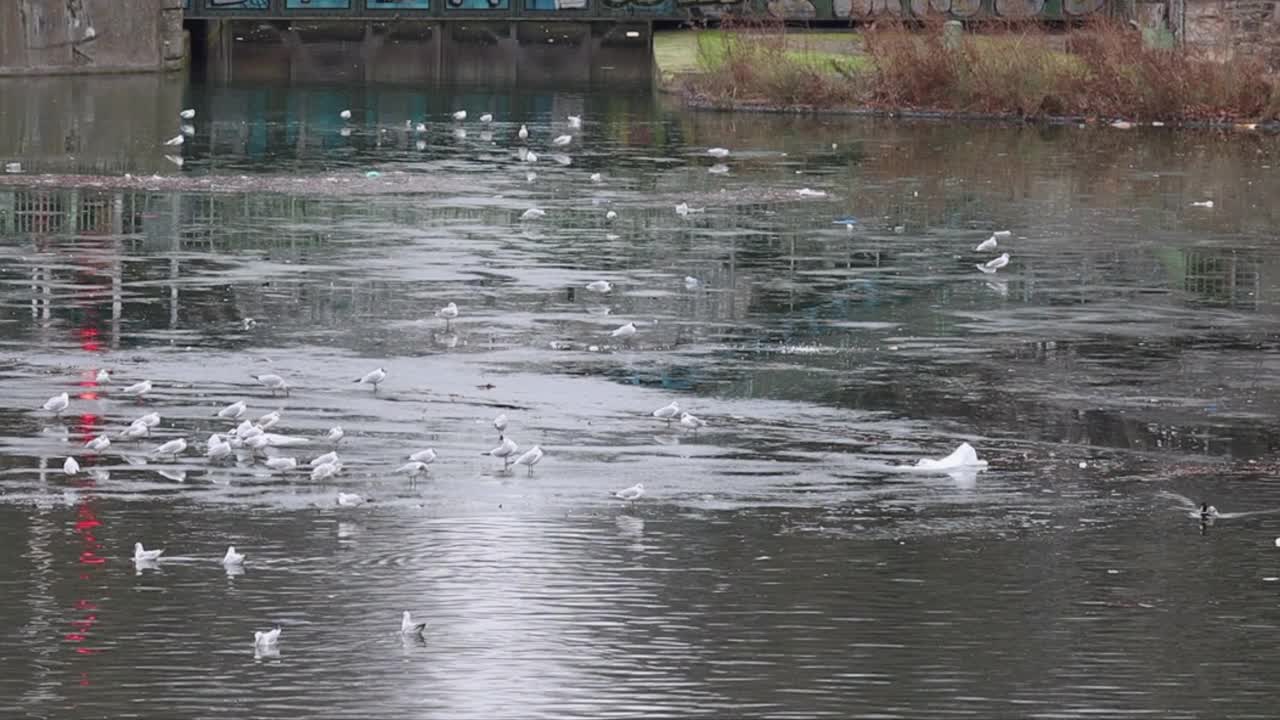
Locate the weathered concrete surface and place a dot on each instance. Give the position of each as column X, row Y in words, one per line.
column 1224, row 27
column 90, row 36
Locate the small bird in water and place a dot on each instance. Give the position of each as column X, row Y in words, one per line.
column 138, row 389
column 57, row 403
column 409, row 627
column 233, row 411
column 682, row 209
column 374, row 378
column 691, row 422
column 70, row 466
column 600, row 286
column 460, row 115
column 575, row 121
column 272, row 382
column 265, row 641
column 232, row 557
column 691, row 283
column 1207, row 512
column 666, row 412
column 523, row 134
column 335, row 435
column 530, row 458
column 448, row 312
column 486, row 118
column 345, row 114
column 142, row 555
column 562, row 140
column 624, row 331
column 630, row 494
column 504, row 451
column 188, row 114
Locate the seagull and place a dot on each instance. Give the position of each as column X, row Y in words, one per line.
column 246, row 428
column 600, row 286
column 448, row 312
column 141, row 555
column 139, row 389
column 486, row 118
column 500, row 423
column 324, row 472
column 420, row 128
column 187, row 114
column 718, row 169
column 98, row 444
column 530, row 176
column 611, row 215
column 530, row 458
column 562, row 140
column 531, row 157
column 70, row 466
column 345, row 114
column 993, row 265
column 175, row 140
column 460, row 115
column 533, row 214
column 232, row 557
column 692, row 422
column 412, row 469
column 233, row 411
column 349, row 499
column 188, row 130
column 281, row 464
column 624, row 331
column 597, row 177
column 682, row 209
column 173, row 447
column 135, row 431
column 329, row 458
column 962, row 456
column 334, row 436
column 575, row 121
column 504, row 451
column 218, row 449
column 103, row 377
column 808, row 192
column 373, row 377
column 1003, row 234
column 524, row 133
column 57, row 403
column 148, row 421
column 409, row 627
column 988, row 244
column 272, row 382
column 632, row 493
column 691, row 283
column 426, row 457
column 266, row 640
column 718, row 152
column 257, row 442
column 666, row 412
column 268, row 421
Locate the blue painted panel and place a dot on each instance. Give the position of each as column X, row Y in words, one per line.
column 545, row 5
column 317, row 4
column 477, row 4
column 399, row 4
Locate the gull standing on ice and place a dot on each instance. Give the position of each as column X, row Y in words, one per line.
column 98, row 444
column 666, row 412
column 533, row 214
column 57, row 403
column 413, row 469
column 142, row 555
column 350, row 499
column 562, row 140
column 325, row 471
column 600, row 286
column 448, row 312
column 329, row 458
column 335, row 435
column 233, row 411
column 374, row 378
column 139, row 388
column 630, row 494
column 281, row 464
column 174, row 447
column 426, row 457
column 268, row 421
column 575, row 121
column 232, row 557
column 500, row 423
column 691, row 422
column 272, row 382
column 524, row 133
column 986, row 245
column 624, row 331
column 504, row 451
column 530, row 458
column 70, row 466
column 103, row 377
column 995, row 264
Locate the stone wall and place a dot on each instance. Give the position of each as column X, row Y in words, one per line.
column 86, row 36
column 1224, row 27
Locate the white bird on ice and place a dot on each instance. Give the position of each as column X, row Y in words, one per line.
column 691, row 283
column 345, row 114
column 324, row 472
column 533, row 214
column 504, row 451
column 233, row 411
column 426, row 457
column 597, row 177
column 530, row 458
column 524, row 133
column 962, row 456
column 632, row 493
column 611, row 215
column 98, row 444
column 174, row 447
column 562, row 140
column 420, row 128
column 666, row 412
column 460, row 115
column 691, row 422
column 246, row 428
column 135, row 431
column 531, row 157
column 139, row 388
column 500, row 423
column 268, row 421
column 232, row 557
column 575, row 121
column 349, row 499
column 266, row 640
column 187, row 114
column 682, row 209
column 70, row 466
column 988, row 244
column 175, row 140
column 141, row 555
column 218, row 449
column 329, row 458
column 995, row 264
column 57, row 403
column 281, row 464
column 718, row 152
column 373, row 377
column 409, row 627
column 486, row 118
column 335, row 435
column 272, row 382
column 188, row 130
column 600, row 286
column 624, row 331
column 413, row 469
column 103, row 377
column 718, row 169
column 448, row 312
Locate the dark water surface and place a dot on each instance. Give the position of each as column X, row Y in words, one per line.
column 780, row 565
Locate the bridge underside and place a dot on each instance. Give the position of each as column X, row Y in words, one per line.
column 426, row 51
